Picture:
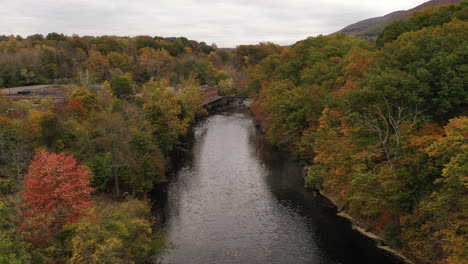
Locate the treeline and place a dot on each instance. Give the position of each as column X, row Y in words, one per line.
column 61, row 59
column 384, row 127
column 74, row 175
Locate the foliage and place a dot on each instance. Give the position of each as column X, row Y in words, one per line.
column 122, row 86
column 123, row 234
column 190, row 99
column 92, row 60
column 369, row 124
column 123, row 130
column 12, row 249
column 367, row 119
column 101, row 166
column 163, row 111
column 205, row 72
column 297, row 84
column 49, row 206
column 446, row 208
column 426, row 18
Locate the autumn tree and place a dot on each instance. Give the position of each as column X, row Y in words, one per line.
column 426, row 18
column 428, row 65
column 253, row 54
column 15, row 154
column 361, row 118
column 445, row 209
column 56, row 191
column 120, row 61
column 122, row 86
column 111, row 134
column 190, row 99
column 97, row 65
column 82, row 102
column 163, row 111
column 105, row 96
column 205, row 71
column 13, row 250
column 149, row 163
column 154, row 63
column 123, row 234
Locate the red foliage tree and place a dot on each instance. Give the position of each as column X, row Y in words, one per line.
column 76, row 107
column 56, row 191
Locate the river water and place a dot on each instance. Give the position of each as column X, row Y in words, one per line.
column 237, row 200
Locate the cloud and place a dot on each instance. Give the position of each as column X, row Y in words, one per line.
column 227, row 23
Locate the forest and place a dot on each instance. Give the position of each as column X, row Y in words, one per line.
column 382, row 127
column 75, row 175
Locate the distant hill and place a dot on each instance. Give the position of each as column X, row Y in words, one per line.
column 369, row 29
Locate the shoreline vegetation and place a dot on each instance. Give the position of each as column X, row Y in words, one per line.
column 383, row 127
column 76, row 171
column 379, row 242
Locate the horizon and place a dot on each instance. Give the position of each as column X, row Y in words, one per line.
column 226, row 24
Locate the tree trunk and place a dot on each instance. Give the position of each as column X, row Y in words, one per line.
column 116, row 180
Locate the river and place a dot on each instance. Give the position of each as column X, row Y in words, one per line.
column 237, row 200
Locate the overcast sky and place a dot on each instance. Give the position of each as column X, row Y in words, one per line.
column 226, row 23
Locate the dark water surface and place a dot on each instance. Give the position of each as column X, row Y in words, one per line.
column 237, row 200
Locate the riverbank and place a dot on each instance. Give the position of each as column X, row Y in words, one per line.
column 237, row 200
column 379, row 241
column 177, row 158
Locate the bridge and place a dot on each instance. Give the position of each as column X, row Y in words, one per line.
column 213, row 100
column 220, row 101
column 221, row 98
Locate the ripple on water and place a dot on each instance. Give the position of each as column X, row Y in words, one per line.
column 234, row 202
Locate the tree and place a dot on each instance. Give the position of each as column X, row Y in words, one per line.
column 120, row 61
column 429, row 66
column 56, row 36
column 12, row 249
column 163, row 111
column 253, row 54
column 105, row 96
column 97, row 65
column 51, row 71
column 111, row 135
column 227, row 87
column 14, row 156
column 447, row 207
column 102, row 171
column 149, row 163
column 123, row 234
column 56, row 191
column 205, row 71
column 436, row 228
column 87, row 98
column 122, row 86
column 190, row 99
column 154, row 63
column 426, row 18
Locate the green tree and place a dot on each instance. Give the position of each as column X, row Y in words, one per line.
column 205, row 71
column 51, row 71
column 12, row 249
column 120, row 61
column 122, row 86
column 163, row 112
column 123, row 234
column 190, row 99
column 101, row 166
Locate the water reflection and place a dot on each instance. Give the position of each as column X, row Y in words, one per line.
column 237, row 200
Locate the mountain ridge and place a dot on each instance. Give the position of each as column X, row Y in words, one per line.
column 370, row 28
